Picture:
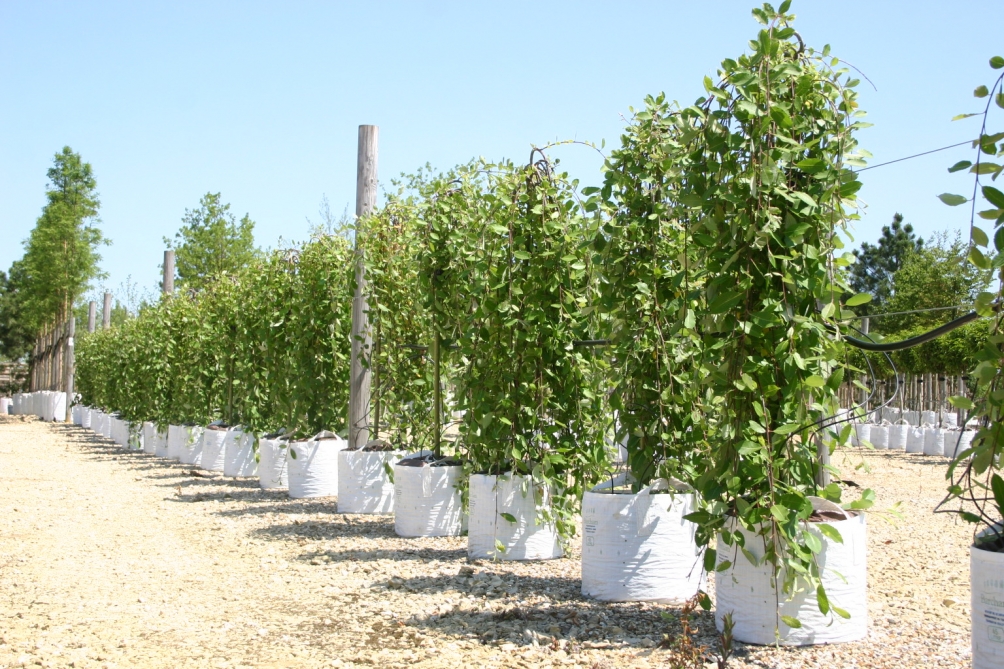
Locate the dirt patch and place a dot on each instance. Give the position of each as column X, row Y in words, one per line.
column 111, row 558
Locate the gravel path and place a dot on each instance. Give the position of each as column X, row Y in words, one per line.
column 117, row 559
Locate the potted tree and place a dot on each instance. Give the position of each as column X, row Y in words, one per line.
column 975, row 473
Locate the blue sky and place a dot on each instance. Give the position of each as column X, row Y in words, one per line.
column 261, row 100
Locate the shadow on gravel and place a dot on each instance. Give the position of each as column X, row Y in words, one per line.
column 415, row 553
column 332, row 527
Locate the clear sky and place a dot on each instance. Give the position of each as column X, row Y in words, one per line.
column 261, row 100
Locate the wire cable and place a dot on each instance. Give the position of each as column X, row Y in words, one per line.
column 916, row 155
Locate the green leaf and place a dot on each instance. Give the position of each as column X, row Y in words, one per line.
column 978, row 236
column 977, row 258
column 961, row 165
column 710, row 555
column 860, row 298
column 961, row 402
column 997, row 62
column 822, row 599
column 815, row 381
column 509, row 517
column 841, row 612
column 723, row 565
column 981, row 92
column 830, row 532
column 994, row 196
column 997, row 485
column 813, row 543
column 952, row 200
column 793, row 623
column 999, row 239
column 499, row 547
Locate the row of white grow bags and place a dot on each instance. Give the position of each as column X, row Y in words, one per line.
column 636, row 546
column 926, row 439
column 48, row 405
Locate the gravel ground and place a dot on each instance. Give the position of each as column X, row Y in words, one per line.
column 117, row 559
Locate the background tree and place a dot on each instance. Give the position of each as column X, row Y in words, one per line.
column 61, row 256
column 936, row 275
column 876, row 265
column 211, row 242
column 15, row 337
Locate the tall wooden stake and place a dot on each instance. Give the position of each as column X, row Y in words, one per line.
column 362, row 340
column 168, row 284
column 92, row 315
column 106, row 313
column 68, row 365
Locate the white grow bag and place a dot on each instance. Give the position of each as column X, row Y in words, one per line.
column 750, row 593
column 363, row 483
column 177, row 435
column 149, row 437
column 106, row 426
column 238, row 457
column 427, row 502
column 86, row 413
column 879, row 436
column 897, row 436
column 191, row 449
column 212, row 448
column 863, row 432
column 272, row 464
column 525, row 539
column 161, row 444
column 986, row 573
column 915, row 440
column 638, row 547
column 313, row 466
column 934, row 441
column 957, row 442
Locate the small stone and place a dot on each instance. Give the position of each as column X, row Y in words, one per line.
column 948, row 601
column 262, row 632
column 316, row 561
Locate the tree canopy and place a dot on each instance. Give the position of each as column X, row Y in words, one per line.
column 876, row 264
column 60, row 256
column 211, row 242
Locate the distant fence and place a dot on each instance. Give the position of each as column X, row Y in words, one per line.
column 917, row 392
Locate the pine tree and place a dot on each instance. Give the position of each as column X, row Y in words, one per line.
column 876, row 264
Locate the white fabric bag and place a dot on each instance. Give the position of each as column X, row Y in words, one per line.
column 863, row 431
column 929, row 417
column 986, row 572
column 313, row 466
column 949, row 419
column 751, row 594
column 363, row 482
column 176, row 438
column 638, row 547
column 897, row 436
column 503, row 509
column 239, row 457
column 212, row 448
column 161, row 444
column 427, row 502
column 880, row 436
column 912, row 417
column 934, row 441
column 961, row 441
column 191, row 449
column 272, row 465
column 915, row 440
column 149, row 437
column 86, row 414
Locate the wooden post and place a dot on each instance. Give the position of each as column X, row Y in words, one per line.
column 362, row 340
column 168, row 272
column 106, row 313
column 92, row 315
column 68, row 365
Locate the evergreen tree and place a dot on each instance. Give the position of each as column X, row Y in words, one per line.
column 211, row 243
column 876, row 264
column 60, row 256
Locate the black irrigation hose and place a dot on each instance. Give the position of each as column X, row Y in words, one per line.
column 913, row 341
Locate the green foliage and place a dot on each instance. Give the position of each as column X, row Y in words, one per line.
column 266, row 347
column 507, row 268
column 727, row 215
column 60, row 256
column 975, row 483
column 16, row 336
column 402, row 378
column 935, row 276
column 876, row 265
column 211, row 243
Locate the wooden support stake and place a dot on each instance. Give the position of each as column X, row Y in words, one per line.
column 69, row 360
column 362, row 340
column 168, row 284
column 106, row 313
column 92, row 315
